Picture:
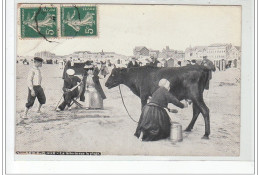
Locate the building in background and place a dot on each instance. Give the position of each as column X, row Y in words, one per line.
column 102, row 56
column 234, row 56
column 45, row 55
column 141, row 51
column 218, row 51
column 171, row 53
column 222, row 55
column 143, row 55
column 154, row 53
column 196, row 53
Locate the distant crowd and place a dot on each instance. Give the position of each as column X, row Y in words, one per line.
column 134, row 62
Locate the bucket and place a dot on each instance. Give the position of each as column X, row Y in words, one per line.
column 176, row 132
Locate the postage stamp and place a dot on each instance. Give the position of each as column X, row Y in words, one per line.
column 38, row 22
column 78, row 21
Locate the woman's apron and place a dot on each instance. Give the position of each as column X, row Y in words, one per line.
column 93, row 98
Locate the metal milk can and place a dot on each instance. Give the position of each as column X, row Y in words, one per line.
column 176, row 132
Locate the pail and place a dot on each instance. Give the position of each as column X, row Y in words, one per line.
column 176, row 132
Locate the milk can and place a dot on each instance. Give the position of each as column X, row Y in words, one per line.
column 176, row 132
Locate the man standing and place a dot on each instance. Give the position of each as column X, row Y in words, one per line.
column 104, row 70
column 206, row 62
column 210, row 66
column 133, row 63
column 70, row 89
column 154, row 62
column 34, row 85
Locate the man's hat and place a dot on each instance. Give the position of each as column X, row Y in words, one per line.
column 70, row 72
column 89, row 65
column 193, row 61
column 89, row 62
column 38, row 59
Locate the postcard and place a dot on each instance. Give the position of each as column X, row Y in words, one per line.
column 128, row 80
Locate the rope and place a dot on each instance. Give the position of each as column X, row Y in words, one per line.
column 125, row 106
column 58, row 102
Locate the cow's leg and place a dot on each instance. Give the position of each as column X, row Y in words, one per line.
column 205, row 112
column 196, row 112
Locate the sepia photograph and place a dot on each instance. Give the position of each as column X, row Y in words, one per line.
column 128, row 80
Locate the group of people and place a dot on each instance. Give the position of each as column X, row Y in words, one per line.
column 154, row 123
column 87, row 89
column 133, row 63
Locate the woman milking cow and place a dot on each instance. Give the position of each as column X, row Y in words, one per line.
column 154, row 123
column 186, row 83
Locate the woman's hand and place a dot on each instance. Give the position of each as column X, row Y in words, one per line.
column 67, row 90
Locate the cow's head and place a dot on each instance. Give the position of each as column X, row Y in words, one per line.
column 116, row 77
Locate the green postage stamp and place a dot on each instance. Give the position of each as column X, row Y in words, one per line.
column 78, row 21
column 57, row 20
column 38, row 22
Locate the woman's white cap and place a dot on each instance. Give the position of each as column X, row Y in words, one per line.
column 164, row 83
column 70, row 72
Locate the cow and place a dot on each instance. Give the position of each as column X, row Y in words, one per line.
column 187, row 82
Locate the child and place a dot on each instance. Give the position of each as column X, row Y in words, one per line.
column 34, row 86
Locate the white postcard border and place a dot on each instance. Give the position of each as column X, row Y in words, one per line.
column 70, row 166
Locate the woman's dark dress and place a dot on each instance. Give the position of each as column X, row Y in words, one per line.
column 154, row 121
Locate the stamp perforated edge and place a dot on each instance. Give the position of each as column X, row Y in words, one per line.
column 58, row 5
column 18, row 24
column 97, row 21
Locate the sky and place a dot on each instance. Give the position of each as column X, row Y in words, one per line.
column 122, row 27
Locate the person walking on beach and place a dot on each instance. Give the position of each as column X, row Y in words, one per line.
column 104, row 70
column 34, row 81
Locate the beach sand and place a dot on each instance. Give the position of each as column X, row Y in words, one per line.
column 111, row 131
